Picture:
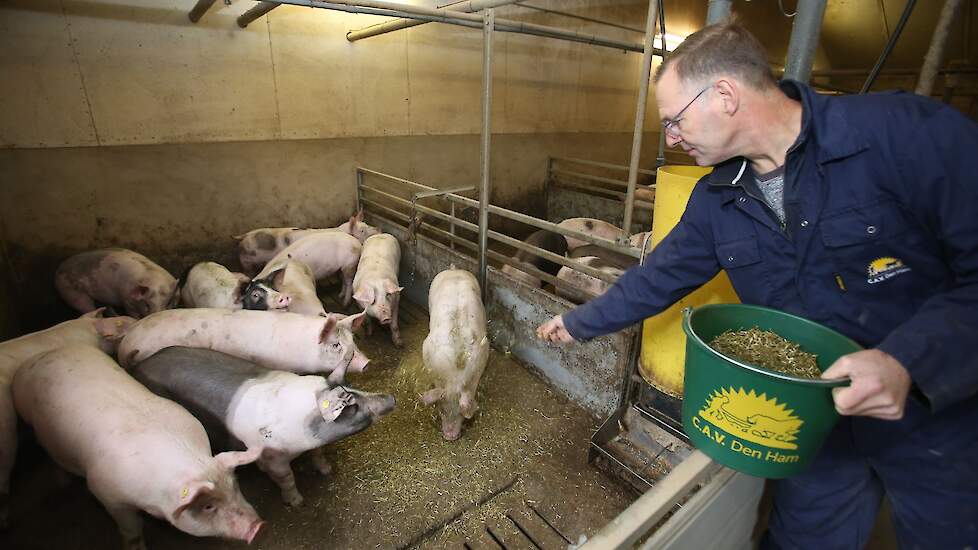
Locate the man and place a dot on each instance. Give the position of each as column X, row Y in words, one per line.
column 858, row 212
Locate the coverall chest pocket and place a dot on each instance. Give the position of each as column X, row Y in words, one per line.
column 868, row 247
column 741, row 259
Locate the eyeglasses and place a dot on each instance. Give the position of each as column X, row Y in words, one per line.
column 671, row 126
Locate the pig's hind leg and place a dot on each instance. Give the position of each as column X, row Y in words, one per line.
column 395, row 328
column 347, row 293
column 278, row 468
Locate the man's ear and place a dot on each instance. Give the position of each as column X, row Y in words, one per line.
column 729, row 92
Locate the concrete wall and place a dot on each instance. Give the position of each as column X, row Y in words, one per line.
column 125, row 124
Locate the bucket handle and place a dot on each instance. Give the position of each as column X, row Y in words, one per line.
column 821, row 382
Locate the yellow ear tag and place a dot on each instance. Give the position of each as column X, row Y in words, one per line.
column 184, row 492
column 325, row 404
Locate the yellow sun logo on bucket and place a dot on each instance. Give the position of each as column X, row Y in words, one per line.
column 753, row 417
column 884, row 268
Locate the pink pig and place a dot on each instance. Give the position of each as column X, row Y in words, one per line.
column 258, row 246
column 375, row 286
column 115, row 277
column 283, row 341
column 325, row 254
column 138, row 452
column 90, row 329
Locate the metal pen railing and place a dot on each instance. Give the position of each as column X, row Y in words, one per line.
column 373, row 198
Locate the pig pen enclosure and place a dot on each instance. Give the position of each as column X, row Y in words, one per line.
column 521, row 476
column 561, row 447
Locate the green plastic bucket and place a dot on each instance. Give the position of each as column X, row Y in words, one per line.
column 754, row 420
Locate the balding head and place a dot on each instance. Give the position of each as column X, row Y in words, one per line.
column 722, row 49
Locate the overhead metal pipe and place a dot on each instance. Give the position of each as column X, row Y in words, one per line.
column 718, row 10
column 935, row 54
column 643, row 95
column 804, row 40
column 398, row 24
column 199, row 9
column 489, row 21
column 580, row 17
column 907, row 10
column 255, row 12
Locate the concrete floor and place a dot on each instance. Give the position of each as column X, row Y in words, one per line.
column 396, row 485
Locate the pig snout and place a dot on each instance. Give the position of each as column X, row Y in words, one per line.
column 451, row 430
column 282, row 301
column 359, row 362
column 381, row 405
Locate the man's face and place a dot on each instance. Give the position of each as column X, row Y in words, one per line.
column 691, row 122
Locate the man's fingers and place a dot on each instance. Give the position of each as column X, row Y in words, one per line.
column 840, row 369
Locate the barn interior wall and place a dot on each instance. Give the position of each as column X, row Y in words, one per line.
column 127, row 125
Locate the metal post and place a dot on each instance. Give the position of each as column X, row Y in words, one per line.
column 936, row 51
column 451, row 226
column 260, row 9
column 660, row 159
column 804, row 40
column 907, row 10
column 643, row 94
column 199, row 9
column 359, row 184
column 489, row 22
column 718, row 11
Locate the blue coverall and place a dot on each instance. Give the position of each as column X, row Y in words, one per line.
column 880, row 242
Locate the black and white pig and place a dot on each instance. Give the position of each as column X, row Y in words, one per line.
column 115, row 277
column 457, row 349
column 243, row 405
column 137, row 452
column 375, row 286
column 284, row 341
column 210, row 284
column 258, row 246
column 296, row 280
column 547, row 240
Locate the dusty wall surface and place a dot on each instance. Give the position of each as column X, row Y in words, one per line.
column 127, row 125
column 181, row 203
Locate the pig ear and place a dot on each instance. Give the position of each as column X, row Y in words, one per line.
column 333, row 402
column 358, row 217
column 355, row 321
column 139, row 292
column 467, row 405
column 239, row 291
column 113, row 328
column 364, row 295
column 232, row 459
column 432, row 396
column 275, row 278
column 190, row 493
column 327, row 328
column 393, row 289
column 94, row 314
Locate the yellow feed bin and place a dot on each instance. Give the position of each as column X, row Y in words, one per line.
column 663, row 342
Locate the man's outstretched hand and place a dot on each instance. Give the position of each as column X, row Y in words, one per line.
column 553, row 331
